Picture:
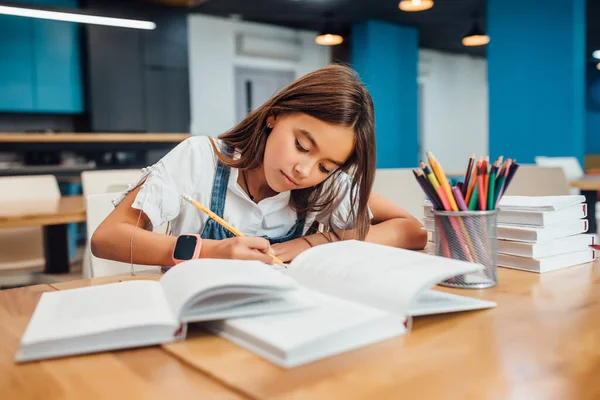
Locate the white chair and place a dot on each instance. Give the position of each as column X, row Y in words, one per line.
column 22, row 249
column 570, row 166
column 107, row 181
column 104, row 181
column 28, row 188
column 532, row 180
column 98, row 207
column 400, row 187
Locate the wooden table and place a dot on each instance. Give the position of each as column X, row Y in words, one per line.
column 541, row 342
column 53, row 215
column 45, row 141
column 147, row 373
column 92, row 146
column 19, row 137
column 589, row 186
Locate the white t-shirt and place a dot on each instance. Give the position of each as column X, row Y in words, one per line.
column 190, row 169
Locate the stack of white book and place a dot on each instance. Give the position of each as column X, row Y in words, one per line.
column 539, row 234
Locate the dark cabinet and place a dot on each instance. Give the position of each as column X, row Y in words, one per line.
column 167, row 100
column 116, row 84
column 139, row 79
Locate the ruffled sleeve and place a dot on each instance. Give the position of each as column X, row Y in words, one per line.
column 162, row 185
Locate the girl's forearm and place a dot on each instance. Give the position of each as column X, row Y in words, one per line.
column 149, row 248
column 397, row 232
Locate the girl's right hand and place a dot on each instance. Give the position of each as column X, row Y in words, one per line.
column 239, row 248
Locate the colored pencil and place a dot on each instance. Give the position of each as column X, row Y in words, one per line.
column 460, row 201
column 486, row 178
column 473, row 200
column 481, row 192
column 444, row 199
column 430, row 176
column 428, row 189
column 501, row 181
column 473, row 180
column 441, row 177
column 468, row 175
column 492, row 186
column 500, row 168
column 511, row 174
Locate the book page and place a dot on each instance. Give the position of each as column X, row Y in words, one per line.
column 382, row 277
column 191, row 281
column 286, row 332
column 97, row 309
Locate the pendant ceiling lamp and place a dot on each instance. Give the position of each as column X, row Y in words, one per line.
column 415, row 5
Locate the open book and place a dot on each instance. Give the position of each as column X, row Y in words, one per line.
column 364, row 293
column 140, row 313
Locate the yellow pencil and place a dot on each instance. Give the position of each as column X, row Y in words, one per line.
column 441, row 176
column 430, row 175
column 220, row 221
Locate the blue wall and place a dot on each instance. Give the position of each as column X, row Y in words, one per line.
column 386, row 57
column 536, row 73
column 16, row 67
column 40, row 66
column 592, row 138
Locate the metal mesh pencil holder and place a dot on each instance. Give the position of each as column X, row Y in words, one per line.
column 468, row 236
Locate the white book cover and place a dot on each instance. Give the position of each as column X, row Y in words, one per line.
column 536, row 203
column 533, row 218
column 542, row 235
column 530, row 234
column 539, row 203
column 547, row 264
column 365, row 293
column 552, row 248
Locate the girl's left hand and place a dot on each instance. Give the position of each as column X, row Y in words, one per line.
column 287, row 251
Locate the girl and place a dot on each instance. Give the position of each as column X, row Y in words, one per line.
column 307, row 155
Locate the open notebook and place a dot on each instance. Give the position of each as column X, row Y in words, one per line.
column 141, row 313
column 364, row 293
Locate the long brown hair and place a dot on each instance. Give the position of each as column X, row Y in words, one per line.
column 333, row 94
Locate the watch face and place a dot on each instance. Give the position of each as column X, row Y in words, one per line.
column 184, row 248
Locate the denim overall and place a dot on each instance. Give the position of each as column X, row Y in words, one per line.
column 213, row 230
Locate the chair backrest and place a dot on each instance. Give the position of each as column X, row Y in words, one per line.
column 22, row 248
column 570, row 165
column 29, row 188
column 107, row 181
column 98, row 207
column 532, row 180
column 400, row 187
